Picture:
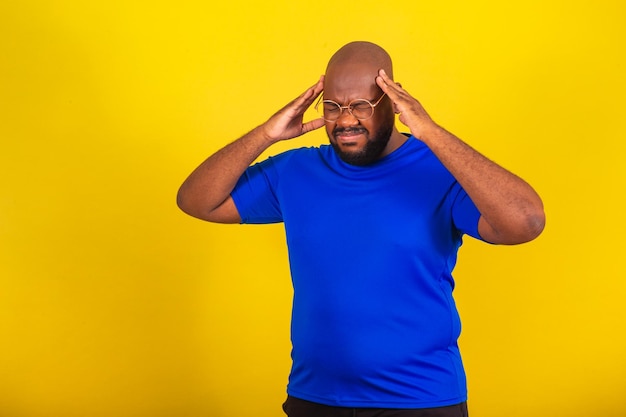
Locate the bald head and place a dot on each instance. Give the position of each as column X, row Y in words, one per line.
column 351, row 72
column 363, row 55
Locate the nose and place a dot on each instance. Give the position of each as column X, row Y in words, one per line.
column 346, row 119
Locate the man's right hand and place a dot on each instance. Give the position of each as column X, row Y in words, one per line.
column 205, row 194
column 288, row 122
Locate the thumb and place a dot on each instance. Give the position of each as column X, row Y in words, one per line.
column 312, row 125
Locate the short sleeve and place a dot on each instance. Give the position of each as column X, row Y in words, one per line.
column 465, row 215
column 255, row 194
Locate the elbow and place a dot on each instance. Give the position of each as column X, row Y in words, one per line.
column 535, row 224
column 514, row 230
column 530, row 226
column 184, row 202
column 196, row 205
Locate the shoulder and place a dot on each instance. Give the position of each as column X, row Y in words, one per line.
column 415, row 154
column 304, row 152
column 296, row 156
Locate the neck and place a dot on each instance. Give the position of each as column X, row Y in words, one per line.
column 395, row 141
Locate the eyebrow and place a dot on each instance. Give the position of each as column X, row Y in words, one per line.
column 373, row 101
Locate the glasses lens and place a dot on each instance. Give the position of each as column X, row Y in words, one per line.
column 329, row 111
column 362, row 109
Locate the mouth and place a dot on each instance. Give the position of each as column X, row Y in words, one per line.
column 349, row 136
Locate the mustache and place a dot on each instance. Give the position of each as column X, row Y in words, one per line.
column 357, row 130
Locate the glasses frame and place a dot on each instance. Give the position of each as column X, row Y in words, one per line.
column 347, row 107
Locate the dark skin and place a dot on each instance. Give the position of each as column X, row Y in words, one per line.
column 346, row 82
column 511, row 211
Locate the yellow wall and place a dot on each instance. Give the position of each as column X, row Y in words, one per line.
column 114, row 303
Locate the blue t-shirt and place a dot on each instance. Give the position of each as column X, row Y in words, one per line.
column 371, row 252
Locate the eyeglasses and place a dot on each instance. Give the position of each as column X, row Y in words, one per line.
column 360, row 108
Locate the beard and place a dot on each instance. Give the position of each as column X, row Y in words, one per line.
column 373, row 149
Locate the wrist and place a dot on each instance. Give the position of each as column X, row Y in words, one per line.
column 426, row 131
column 264, row 135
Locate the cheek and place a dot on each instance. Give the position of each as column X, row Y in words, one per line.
column 384, row 119
column 370, row 124
column 329, row 129
column 385, row 113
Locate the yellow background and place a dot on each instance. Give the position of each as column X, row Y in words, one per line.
column 115, row 303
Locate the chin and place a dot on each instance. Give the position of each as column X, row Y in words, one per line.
column 362, row 157
column 371, row 151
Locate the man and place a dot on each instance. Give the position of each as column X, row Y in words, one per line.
column 373, row 223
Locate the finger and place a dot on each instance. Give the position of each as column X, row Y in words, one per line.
column 308, row 97
column 383, row 74
column 384, row 80
column 314, row 90
column 312, row 125
column 388, row 86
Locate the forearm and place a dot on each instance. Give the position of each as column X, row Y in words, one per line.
column 511, row 210
column 206, row 192
column 211, row 183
